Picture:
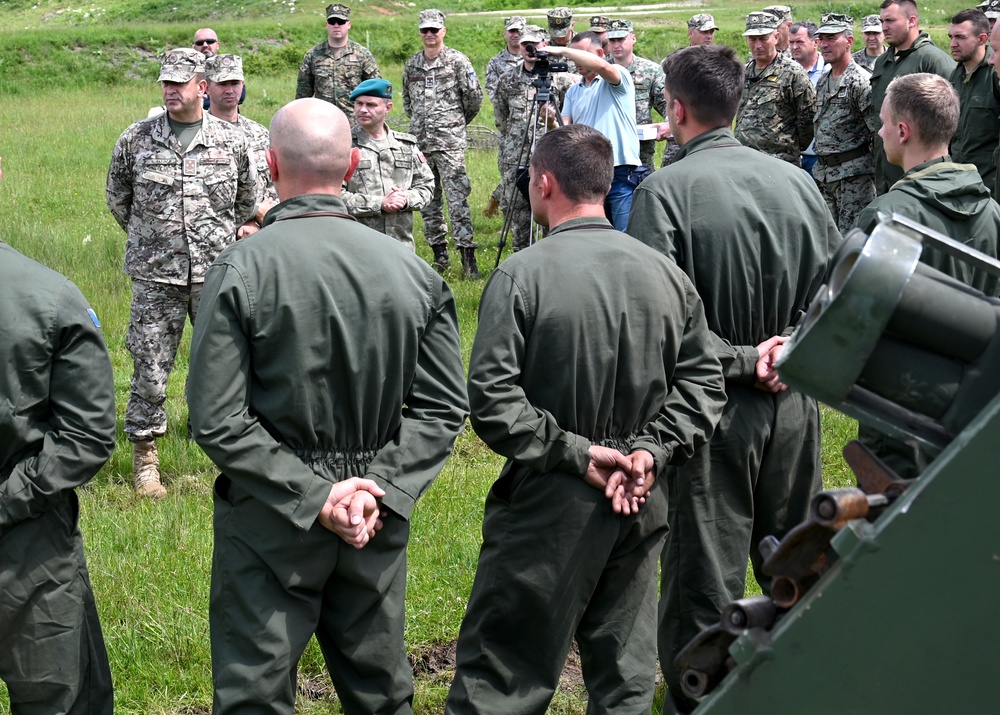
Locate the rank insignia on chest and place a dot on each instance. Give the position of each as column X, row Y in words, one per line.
column 429, row 81
column 191, row 167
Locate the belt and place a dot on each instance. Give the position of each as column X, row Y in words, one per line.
column 844, row 156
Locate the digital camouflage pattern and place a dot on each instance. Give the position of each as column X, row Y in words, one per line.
column 393, row 161
column 179, row 207
column 649, row 87
column 842, row 104
column 451, row 181
column 512, row 112
column 498, row 66
column 259, row 140
column 776, row 111
column 441, row 96
column 862, row 58
column 331, row 77
column 152, row 337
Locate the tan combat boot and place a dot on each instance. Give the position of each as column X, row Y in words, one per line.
column 146, row 470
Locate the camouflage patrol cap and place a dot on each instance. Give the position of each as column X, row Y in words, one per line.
column 533, row 33
column 703, row 23
column 760, row 23
column 833, row 23
column 782, row 12
column 599, row 23
column 619, row 29
column 514, row 22
column 560, row 18
column 223, row 68
column 992, row 9
column 871, row 23
column 338, row 11
column 180, row 65
column 373, row 88
column 431, row 18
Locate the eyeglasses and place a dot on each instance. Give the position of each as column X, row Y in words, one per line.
column 431, row 30
column 199, row 43
column 335, row 21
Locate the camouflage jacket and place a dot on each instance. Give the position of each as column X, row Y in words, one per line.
column 496, row 68
column 841, row 107
column 776, row 112
column 649, row 85
column 330, row 78
column 864, row 59
column 514, row 107
column 441, row 96
column 179, row 207
column 259, row 139
column 396, row 161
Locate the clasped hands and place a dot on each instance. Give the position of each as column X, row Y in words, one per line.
column 769, row 351
column 395, row 201
column 352, row 511
column 624, row 479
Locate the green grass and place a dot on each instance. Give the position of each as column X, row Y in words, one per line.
column 70, row 84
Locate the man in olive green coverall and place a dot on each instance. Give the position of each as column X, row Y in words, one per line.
column 57, row 429
column 919, row 117
column 755, row 236
column 563, row 375
column 327, row 385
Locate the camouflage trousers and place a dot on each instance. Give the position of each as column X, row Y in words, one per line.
column 451, row 182
column 847, row 198
column 512, row 202
column 154, row 333
column 669, row 152
column 647, row 150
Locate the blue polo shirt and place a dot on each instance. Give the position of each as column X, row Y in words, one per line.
column 610, row 109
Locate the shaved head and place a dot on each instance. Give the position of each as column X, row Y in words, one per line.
column 312, row 141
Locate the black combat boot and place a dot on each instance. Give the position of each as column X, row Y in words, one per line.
column 470, row 269
column 441, row 261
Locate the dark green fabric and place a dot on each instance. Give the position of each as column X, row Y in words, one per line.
column 978, row 132
column 558, row 365
column 755, row 236
column 323, row 350
column 922, row 56
column 57, row 428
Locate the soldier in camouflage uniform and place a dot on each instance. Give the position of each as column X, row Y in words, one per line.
column 441, row 95
column 599, row 25
column 332, row 69
column 784, row 15
column 513, row 111
column 874, row 42
column 392, row 179
column 499, row 64
column 648, row 79
column 845, row 169
column 560, row 26
column 179, row 184
column 225, row 87
column 776, row 112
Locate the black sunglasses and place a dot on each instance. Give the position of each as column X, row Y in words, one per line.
column 199, row 43
column 335, row 21
column 432, row 30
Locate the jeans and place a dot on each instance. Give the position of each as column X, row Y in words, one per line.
column 619, row 200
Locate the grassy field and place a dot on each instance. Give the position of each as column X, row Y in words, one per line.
column 70, row 82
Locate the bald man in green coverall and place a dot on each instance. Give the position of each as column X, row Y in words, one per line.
column 755, row 236
column 327, row 385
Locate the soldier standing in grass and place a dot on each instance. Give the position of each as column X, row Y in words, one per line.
column 332, row 69
column 224, row 74
column 508, row 58
column 441, row 95
column 580, row 384
column 327, row 385
column 179, row 185
column 647, row 76
column 57, row 429
column 845, row 168
column 392, row 179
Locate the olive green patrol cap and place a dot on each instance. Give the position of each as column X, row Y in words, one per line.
column 599, row 23
column 702, row 22
column 760, row 23
column 782, row 12
column 833, row 23
column 338, row 12
column 224, row 68
column 181, row 65
column 560, row 18
column 533, row 33
column 431, row 18
column 515, row 22
column 871, row 23
column 619, row 29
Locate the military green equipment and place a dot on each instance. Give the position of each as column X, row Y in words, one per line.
column 846, row 627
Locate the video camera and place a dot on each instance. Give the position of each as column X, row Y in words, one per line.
column 542, row 65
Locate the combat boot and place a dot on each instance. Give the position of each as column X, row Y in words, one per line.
column 469, row 266
column 441, row 261
column 146, row 470
column 492, row 208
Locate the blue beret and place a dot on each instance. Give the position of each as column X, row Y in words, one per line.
column 373, row 88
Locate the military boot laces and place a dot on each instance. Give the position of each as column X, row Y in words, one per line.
column 441, row 262
column 469, row 266
column 146, row 470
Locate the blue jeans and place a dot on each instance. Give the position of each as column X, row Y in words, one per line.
column 619, row 200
